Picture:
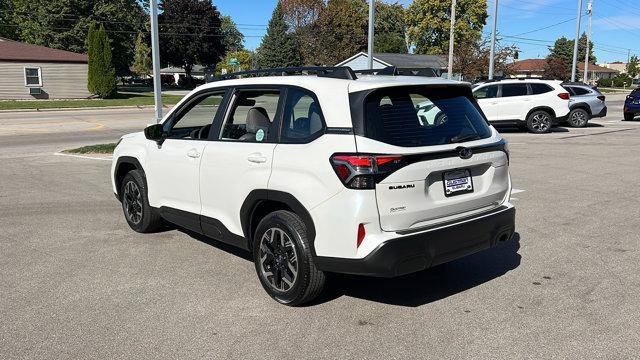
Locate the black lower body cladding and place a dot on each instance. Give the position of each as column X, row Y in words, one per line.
column 422, row 250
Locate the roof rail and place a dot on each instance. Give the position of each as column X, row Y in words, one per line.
column 393, row 70
column 336, row 72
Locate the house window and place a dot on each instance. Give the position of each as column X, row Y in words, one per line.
column 32, row 77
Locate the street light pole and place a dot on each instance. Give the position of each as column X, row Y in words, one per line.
column 575, row 44
column 451, row 39
column 370, row 42
column 155, row 59
column 586, row 56
column 492, row 53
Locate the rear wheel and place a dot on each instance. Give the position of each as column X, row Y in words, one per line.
column 539, row 122
column 283, row 259
column 628, row 116
column 578, row 118
column 140, row 216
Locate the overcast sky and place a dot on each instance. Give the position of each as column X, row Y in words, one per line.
column 530, row 24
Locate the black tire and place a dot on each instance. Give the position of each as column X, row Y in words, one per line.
column 539, row 122
column 628, row 116
column 135, row 204
column 292, row 289
column 578, row 118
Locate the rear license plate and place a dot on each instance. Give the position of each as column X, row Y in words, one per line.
column 457, row 182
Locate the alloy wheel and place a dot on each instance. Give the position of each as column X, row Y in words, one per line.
column 132, row 201
column 541, row 122
column 278, row 259
column 578, row 119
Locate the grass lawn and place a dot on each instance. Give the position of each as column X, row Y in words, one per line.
column 122, row 99
column 94, row 149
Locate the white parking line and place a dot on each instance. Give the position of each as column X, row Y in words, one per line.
column 84, row 156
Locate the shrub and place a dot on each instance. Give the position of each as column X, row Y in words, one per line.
column 102, row 73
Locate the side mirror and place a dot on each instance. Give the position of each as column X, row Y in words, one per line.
column 156, row 133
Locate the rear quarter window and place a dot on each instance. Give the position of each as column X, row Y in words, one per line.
column 537, row 89
column 423, row 116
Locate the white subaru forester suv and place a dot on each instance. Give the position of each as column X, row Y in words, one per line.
column 534, row 104
column 377, row 175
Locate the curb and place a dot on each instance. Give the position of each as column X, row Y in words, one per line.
column 141, row 107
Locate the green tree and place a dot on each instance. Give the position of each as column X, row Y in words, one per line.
column 64, row 24
column 8, row 29
column 428, row 23
column 342, row 30
column 102, row 73
column 279, row 47
column 142, row 64
column 233, row 39
column 389, row 28
column 563, row 49
column 190, row 34
column 557, row 68
column 302, row 16
column 472, row 60
column 243, row 57
column 633, row 67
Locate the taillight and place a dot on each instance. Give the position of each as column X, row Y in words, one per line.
column 601, row 97
column 361, row 234
column 361, row 171
column 564, row 95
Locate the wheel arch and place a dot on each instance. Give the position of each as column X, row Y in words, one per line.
column 261, row 202
column 124, row 165
column 583, row 106
column 537, row 108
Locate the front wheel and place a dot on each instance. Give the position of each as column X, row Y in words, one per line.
column 283, row 259
column 539, row 122
column 578, row 118
column 140, row 216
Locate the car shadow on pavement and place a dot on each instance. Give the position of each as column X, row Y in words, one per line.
column 432, row 284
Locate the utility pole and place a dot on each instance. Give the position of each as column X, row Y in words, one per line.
column 451, row 38
column 371, row 23
column 575, row 44
column 586, row 56
column 155, row 59
column 492, row 53
column 628, row 55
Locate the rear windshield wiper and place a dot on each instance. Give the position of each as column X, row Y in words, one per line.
column 464, row 137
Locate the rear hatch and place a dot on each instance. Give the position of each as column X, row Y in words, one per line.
column 447, row 162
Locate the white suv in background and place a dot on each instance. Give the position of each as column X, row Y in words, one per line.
column 531, row 103
column 377, row 175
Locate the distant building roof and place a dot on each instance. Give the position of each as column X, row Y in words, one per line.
column 529, row 65
column 596, row 68
column 404, row 60
column 18, row 51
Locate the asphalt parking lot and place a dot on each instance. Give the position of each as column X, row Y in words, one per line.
column 76, row 282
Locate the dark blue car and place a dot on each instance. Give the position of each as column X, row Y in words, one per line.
column 632, row 105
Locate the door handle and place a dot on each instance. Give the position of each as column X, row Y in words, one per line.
column 193, row 153
column 256, row 158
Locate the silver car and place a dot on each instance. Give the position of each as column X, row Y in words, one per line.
column 585, row 103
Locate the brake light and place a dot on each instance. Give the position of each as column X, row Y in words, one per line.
column 361, row 171
column 564, row 95
column 361, row 234
column 601, row 97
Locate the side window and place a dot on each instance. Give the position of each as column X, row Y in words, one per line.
column 537, row 89
column 580, row 91
column 509, row 90
column 302, row 119
column 32, row 76
column 194, row 120
column 487, row 92
column 251, row 115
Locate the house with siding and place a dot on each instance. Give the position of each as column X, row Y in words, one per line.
column 37, row 72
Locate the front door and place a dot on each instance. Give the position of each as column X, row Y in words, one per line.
column 173, row 167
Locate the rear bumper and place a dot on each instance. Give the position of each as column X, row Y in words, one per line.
column 420, row 251
column 602, row 113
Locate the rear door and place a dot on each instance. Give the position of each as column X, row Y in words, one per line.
column 514, row 101
column 437, row 178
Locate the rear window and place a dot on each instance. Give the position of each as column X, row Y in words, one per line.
column 423, row 116
column 537, row 89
